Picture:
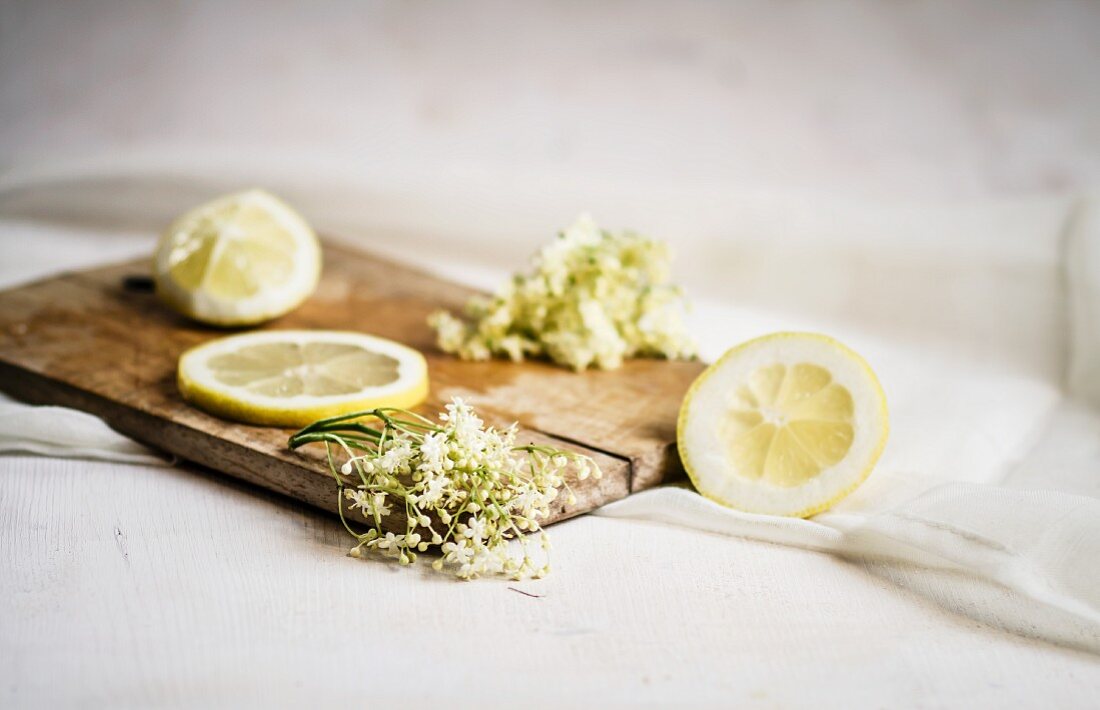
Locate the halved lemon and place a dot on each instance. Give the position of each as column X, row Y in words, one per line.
column 238, row 260
column 295, row 377
column 786, row 424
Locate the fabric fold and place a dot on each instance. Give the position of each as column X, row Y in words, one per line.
column 67, row 433
column 1041, row 545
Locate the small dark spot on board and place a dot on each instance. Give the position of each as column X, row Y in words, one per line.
column 139, row 284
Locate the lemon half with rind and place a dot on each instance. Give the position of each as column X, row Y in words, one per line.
column 292, row 378
column 240, row 259
column 786, row 424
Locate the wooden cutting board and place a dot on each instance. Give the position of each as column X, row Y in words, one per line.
column 85, row 340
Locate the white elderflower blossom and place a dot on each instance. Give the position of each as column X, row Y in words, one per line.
column 371, row 503
column 594, row 299
column 459, row 486
column 433, row 449
column 434, row 488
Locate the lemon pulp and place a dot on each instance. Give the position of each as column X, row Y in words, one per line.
column 788, row 423
column 233, row 251
column 315, row 369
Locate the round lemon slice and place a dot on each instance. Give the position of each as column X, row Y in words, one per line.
column 238, row 260
column 295, row 377
column 786, row 424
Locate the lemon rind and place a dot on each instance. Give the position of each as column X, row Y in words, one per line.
column 217, row 401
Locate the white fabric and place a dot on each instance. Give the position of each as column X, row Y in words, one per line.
column 770, row 145
column 57, row 431
column 1083, row 277
column 961, row 423
column 990, row 469
column 1041, row 544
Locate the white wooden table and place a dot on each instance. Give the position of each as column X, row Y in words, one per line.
column 130, row 586
column 140, row 586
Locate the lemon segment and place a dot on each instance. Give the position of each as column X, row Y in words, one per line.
column 786, row 424
column 294, row 377
column 238, row 260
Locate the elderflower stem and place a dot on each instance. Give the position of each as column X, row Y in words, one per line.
column 339, row 492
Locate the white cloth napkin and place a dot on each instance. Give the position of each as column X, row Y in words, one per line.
column 981, row 322
column 67, row 433
column 994, row 490
column 1040, row 545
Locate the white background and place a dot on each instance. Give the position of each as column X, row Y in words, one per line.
column 474, row 130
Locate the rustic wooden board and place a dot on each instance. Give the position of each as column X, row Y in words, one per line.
column 83, row 340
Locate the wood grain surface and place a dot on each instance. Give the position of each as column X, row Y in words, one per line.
column 85, row 340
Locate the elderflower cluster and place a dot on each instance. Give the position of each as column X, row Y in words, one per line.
column 593, row 299
column 459, row 486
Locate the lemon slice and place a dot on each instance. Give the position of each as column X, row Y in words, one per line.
column 294, row 377
column 786, row 424
column 238, row 260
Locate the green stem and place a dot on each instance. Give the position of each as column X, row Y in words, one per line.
column 317, row 437
column 323, row 423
